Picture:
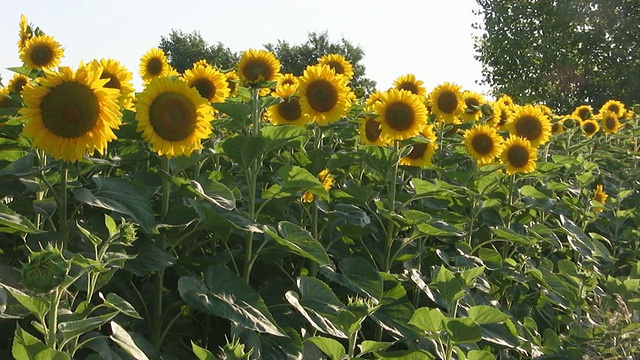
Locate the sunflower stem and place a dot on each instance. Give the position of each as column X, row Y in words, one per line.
column 162, row 241
column 63, row 226
column 474, row 206
column 392, row 207
column 53, row 318
column 252, row 178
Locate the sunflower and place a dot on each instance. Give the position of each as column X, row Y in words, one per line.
column 410, row 83
column 173, row 117
column 610, row 122
column 210, row 83
column 41, row 52
column 289, row 111
column 582, row 112
column 17, row 83
column 24, row 34
column 257, row 66
column 472, row 103
column 119, row 78
column 154, row 64
column 232, row 82
column 324, row 96
column 600, row 196
column 288, row 79
column 421, row 154
column 327, row 181
column 483, row 143
column 370, row 131
column 506, row 100
column 613, row 106
column 70, row 113
column 500, row 114
column 518, row 155
column 557, row 127
column 401, row 114
column 531, row 123
column 372, row 99
column 338, row 64
column 446, row 103
column 590, row 127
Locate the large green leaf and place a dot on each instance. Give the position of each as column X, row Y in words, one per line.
column 413, row 354
column 223, row 293
column 70, row 329
column 296, row 178
column 213, row 191
column 21, row 167
column 429, row 320
column 463, row 330
column 12, row 222
column 332, row 348
column 450, row 287
column 243, row 150
column 278, row 136
column 28, row 347
column 202, row 353
column 37, row 305
column 483, row 314
column 299, row 242
column 359, row 275
column 115, row 302
column 121, row 337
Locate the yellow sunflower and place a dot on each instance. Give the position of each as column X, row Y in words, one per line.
column 472, row 103
column 288, row 112
column 370, row 131
column 324, row 95
column 24, row 34
column 288, row 79
column 154, row 64
column 173, row 117
column 401, row 114
column 446, row 103
column 70, row 113
column 17, row 83
column 613, row 106
column 210, row 83
column 232, row 82
column 338, row 63
column 372, row 99
column 41, row 52
column 410, row 83
column 557, row 127
column 257, row 66
column 421, row 154
column 610, row 122
column 518, row 155
column 590, row 127
column 500, row 114
column 483, row 143
column 119, row 78
column 583, row 112
column 327, row 181
column 531, row 123
column 600, row 196
column 506, row 100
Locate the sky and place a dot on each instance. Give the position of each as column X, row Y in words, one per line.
column 432, row 39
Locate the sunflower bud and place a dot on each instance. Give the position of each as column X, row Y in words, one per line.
column 360, row 92
column 45, row 270
column 128, row 233
column 234, row 351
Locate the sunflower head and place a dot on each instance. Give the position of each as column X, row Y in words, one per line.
column 25, row 33
column 421, row 154
column 154, row 64
column 210, row 83
column 288, row 79
column 500, row 114
column 583, row 112
column 518, row 156
column 17, row 83
column 401, row 114
column 590, row 127
column 119, row 78
column 446, row 103
column 256, row 66
column 324, row 95
column 327, row 181
column 613, row 106
column 41, row 52
column 557, row 127
column 338, row 64
column 609, row 121
column 410, row 83
column 372, row 99
column 600, row 196
column 483, row 143
column 289, row 110
column 370, row 131
column 530, row 122
column 232, row 82
column 472, row 106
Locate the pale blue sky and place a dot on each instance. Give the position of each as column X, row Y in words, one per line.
column 429, row 38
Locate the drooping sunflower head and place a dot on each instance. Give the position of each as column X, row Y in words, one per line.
column 483, row 143
column 154, row 64
column 421, row 154
column 613, row 106
column 590, row 127
column 119, row 78
column 173, row 117
column 210, row 83
column 232, row 82
column 410, row 83
column 41, row 52
column 25, row 33
column 338, row 63
column 289, row 111
column 518, row 156
column 609, row 121
column 529, row 122
column 401, row 114
column 583, row 112
column 324, row 95
column 257, row 66
column 446, row 103
column 600, row 196
column 17, row 83
column 70, row 113
column 472, row 106
column 370, row 131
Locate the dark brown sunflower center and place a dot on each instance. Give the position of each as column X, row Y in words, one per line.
column 288, row 82
column 529, row 127
column 610, row 123
column 584, row 114
column 518, row 156
column 18, row 85
column 113, row 83
column 372, row 129
column 504, row 116
column 614, row 108
column 155, row 66
column 290, row 110
column 232, row 86
column 417, row 151
column 482, row 144
column 399, row 116
column 172, row 116
column 205, row 87
column 409, row 86
column 336, row 66
column 556, row 128
column 589, row 128
column 256, row 70
column 322, row 95
column 70, row 110
column 42, row 55
column 448, row 102
column 473, row 105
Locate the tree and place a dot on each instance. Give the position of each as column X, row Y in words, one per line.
column 185, row 49
column 561, row 53
column 294, row 58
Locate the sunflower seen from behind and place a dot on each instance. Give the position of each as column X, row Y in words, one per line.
column 402, row 115
column 410, row 83
column 483, row 143
column 41, row 52
column 6, row 101
column 421, row 154
column 173, row 117
column 530, row 122
column 119, row 78
column 256, row 66
column 324, row 95
column 518, row 155
column 70, row 113
column 289, row 111
column 339, row 64
column 446, row 103
column 210, row 83
column 154, row 64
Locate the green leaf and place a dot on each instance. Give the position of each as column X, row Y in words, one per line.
column 480, row 355
column 71, row 329
column 414, row 354
column 115, row 302
column 296, row 178
column 449, row 286
column 508, row 234
column 121, row 337
column 368, row 346
column 37, row 305
column 300, row 242
column 18, row 168
column 470, row 275
column 213, row 191
column 237, row 111
column 439, row 228
column 359, row 275
column 93, row 238
column 150, row 258
column 243, row 150
column 278, row 136
column 202, row 353
column 332, row 348
column 483, row 314
column 490, row 257
column 12, row 222
column 463, row 330
column 225, row 294
column 429, row 320
column 28, row 347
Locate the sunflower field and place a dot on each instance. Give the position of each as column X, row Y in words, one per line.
column 249, row 214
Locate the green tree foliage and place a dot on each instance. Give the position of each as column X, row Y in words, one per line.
column 561, row 53
column 295, row 58
column 185, row 49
